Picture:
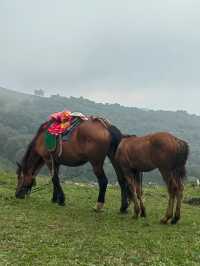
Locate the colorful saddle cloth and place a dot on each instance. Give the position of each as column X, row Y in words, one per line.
column 63, row 124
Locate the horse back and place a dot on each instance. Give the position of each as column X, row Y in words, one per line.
column 158, row 150
column 90, row 141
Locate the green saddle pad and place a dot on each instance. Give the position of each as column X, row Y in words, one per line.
column 50, row 141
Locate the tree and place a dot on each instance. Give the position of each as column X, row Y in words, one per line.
column 39, row 92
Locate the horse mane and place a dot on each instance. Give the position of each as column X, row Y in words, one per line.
column 23, row 165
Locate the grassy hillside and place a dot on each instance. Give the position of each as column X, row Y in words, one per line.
column 21, row 114
column 36, row 232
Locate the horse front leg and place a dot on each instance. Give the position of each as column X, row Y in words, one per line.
column 125, row 195
column 125, row 192
column 54, row 198
column 138, row 183
column 58, row 193
column 103, row 182
column 51, row 166
column 132, row 186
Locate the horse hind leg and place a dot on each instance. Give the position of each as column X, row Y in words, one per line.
column 171, row 185
column 179, row 196
column 169, row 211
column 103, row 182
column 132, row 187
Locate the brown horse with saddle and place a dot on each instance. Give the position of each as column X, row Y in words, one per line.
column 91, row 141
column 159, row 150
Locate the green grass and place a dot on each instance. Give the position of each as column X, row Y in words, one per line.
column 36, row 232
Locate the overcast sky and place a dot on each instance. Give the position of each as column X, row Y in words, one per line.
column 143, row 53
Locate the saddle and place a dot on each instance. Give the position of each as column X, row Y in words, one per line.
column 61, row 126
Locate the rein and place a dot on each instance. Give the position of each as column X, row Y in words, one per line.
column 35, row 189
column 42, row 187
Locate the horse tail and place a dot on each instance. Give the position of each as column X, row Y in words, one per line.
column 115, row 133
column 116, row 137
column 182, row 153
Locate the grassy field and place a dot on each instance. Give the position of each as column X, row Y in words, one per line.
column 36, row 232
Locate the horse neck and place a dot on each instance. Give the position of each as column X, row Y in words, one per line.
column 29, row 166
column 31, row 157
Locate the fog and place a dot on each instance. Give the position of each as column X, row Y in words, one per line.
column 137, row 53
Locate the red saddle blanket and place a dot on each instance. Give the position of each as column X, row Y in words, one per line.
column 62, row 121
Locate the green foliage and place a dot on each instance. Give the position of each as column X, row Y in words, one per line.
column 35, row 231
column 22, row 114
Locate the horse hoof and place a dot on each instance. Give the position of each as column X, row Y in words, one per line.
column 174, row 220
column 143, row 214
column 61, row 203
column 135, row 217
column 54, row 200
column 163, row 221
column 98, row 207
column 97, row 210
column 123, row 211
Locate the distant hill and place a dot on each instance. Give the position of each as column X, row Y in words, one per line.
column 21, row 114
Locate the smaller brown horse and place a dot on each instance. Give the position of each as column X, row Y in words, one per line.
column 159, row 150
